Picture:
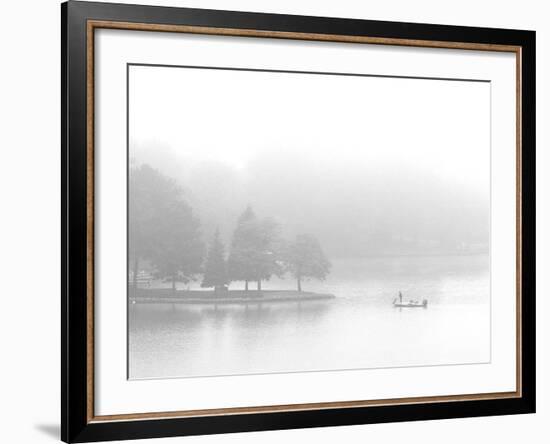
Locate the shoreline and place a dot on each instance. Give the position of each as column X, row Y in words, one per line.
column 163, row 296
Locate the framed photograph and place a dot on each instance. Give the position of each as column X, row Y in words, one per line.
column 275, row 221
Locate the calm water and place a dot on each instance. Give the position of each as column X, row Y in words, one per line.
column 358, row 329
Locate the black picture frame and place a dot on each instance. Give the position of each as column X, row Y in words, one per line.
column 76, row 424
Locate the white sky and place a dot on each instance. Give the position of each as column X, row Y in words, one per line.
column 237, row 117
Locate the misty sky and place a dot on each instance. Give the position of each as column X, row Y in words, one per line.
column 368, row 165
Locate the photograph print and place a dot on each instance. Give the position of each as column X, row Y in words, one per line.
column 284, row 221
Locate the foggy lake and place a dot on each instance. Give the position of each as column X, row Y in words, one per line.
column 359, row 328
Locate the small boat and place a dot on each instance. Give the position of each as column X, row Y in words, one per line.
column 416, row 304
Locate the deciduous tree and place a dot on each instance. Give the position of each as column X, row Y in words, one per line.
column 162, row 226
column 305, row 259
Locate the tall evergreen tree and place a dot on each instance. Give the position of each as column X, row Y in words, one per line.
column 305, row 259
column 267, row 261
column 241, row 258
column 215, row 269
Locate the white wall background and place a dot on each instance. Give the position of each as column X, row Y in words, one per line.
column 30, row 208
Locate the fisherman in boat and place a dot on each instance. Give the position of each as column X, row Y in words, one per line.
column 400, row 298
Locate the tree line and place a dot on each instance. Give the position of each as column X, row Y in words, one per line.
column 164, row 231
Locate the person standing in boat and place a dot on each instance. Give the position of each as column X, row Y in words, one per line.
column 400, row 298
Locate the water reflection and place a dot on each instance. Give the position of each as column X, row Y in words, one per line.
column 358, row 329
